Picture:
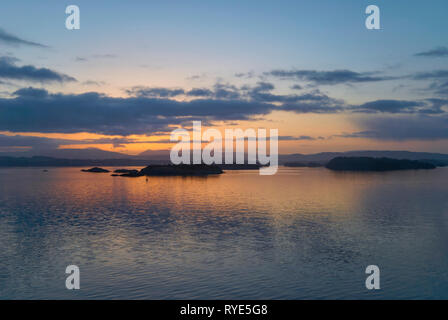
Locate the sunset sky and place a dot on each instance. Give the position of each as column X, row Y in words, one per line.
column 136, row 70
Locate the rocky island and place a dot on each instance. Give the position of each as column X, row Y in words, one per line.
column 171, row 170
column 375, row 164
column 126, row 173
column 95, row 170
column 181, row 170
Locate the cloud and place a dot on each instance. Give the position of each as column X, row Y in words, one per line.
column 410, row 127
column 157, row 110
column 299, row 138
column 93, row 83
column 439, row 79
column 436, row 52
column 246, row 75
column 440, row 88
column 296, row 87
column 13, row 40
column 200, row 92
column 262, row 92
column 28, row 142
column 389, row 106
column 426, row 106
column 197, row 77
column 31, row 92
column 436, row 74
column 318, row 102
column 311, row 108
column 9, row 70
column 226, row 91
column 96, row 56
column 311, row 102
column 263, row 86
column 44, row 143
column 155, row 92
column 329, row 77
column 435, row 106
column 105, row 56
column 314, row 101
column 36, row 110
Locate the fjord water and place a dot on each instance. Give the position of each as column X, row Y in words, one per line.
column 304, row 233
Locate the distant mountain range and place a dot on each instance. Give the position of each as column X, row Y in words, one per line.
column 89, row 153
column 376, row 164
column 58, row 162
column 327, row 156
column 92, row 156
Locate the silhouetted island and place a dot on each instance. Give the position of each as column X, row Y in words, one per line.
column 171, row 170
column 127, row 173
column 181, row 170
column 95, row 170
column 121, row 171
column 375, row 164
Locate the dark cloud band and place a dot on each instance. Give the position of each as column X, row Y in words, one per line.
column 13, row 40
column 9, row 70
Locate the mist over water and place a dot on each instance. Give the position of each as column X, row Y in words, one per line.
column 303, row 233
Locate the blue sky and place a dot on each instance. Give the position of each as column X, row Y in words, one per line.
column 225, row 37
column 197, row 44
column 288, row 30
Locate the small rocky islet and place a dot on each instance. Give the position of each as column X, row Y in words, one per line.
column 95, row 170
column 163, row 170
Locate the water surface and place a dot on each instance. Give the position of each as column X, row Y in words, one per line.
column 304, row 233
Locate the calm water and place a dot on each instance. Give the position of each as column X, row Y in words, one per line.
column 303, row 233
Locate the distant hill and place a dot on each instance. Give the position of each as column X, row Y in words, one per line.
column 97, row 157
column 324, row 157
column 311, row 164
column 89, row 153
column 56, row 162
column 155, row 154
column 375, row 164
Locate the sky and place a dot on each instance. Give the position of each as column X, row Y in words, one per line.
column 136, row 70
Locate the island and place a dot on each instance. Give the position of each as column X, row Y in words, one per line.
column 127, row 173
column 375, row 164
column 95, row 170
column 181, row 170
column 170, row 170
column 125, row 170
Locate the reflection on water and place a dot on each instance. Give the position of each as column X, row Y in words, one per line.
column 302, row 233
